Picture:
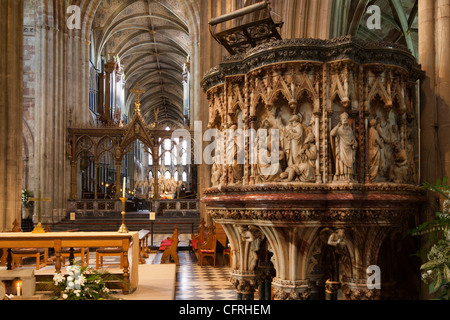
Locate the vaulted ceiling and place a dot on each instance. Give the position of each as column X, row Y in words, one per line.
column 399, row 21
column 151, row 40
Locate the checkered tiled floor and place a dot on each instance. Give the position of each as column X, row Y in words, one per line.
column 202, row 283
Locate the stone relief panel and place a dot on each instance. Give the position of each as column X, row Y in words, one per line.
column 336, row 122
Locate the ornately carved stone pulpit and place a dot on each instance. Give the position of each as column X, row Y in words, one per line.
column 342, row 117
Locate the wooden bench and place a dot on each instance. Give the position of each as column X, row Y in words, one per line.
column 170, row 247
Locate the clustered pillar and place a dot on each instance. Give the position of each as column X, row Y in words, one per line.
column 11, row 108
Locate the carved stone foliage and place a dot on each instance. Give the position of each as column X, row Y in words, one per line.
column 360, row 292
column 291, row 290
column 330, row 216
column 335, row 111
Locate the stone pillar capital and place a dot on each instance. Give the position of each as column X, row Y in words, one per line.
column 358, row 290
column 291, row 289
column 244, row 282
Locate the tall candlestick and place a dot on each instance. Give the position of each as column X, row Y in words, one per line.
column 124, row 185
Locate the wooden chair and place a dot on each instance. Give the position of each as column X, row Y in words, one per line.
column 227, row 252
column 171, row 252
column 198, row 238
column 77, row 252
column 143, row 245
column 19, row 253
column 208, row 249
column 108, row 252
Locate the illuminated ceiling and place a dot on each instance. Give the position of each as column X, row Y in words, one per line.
column 151, row 39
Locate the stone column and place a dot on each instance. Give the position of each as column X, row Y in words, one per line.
column 331, row 289
column 427, row 55
column 11, row 109
column 245, row 284
column 443, row 81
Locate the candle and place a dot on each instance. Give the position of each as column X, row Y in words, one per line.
column 18, row 289
column 124, row 184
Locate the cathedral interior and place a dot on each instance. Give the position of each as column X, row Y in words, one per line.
column 110, row 98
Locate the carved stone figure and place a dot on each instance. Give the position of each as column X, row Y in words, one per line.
column 375, row 148
column 234, row 152
column 266, row 170
column 295, row 134
column 337, row 238
column 399, row 171
column 217, row 168
column 253, row 237
column 385, row 131
column 305, row 170
column 344, row 149
column 216, row 174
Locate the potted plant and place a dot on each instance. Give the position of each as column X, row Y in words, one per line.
column 435, row 271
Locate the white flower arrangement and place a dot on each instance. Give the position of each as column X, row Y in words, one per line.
column 81, row 284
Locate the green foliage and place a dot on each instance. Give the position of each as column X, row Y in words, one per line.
column 436, row 269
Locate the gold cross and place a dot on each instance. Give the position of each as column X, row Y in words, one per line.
column 137, row 91
column 39, row 200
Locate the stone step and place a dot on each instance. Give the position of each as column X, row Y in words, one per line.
column 160, row 226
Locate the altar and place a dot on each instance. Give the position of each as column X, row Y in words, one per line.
column 129, row 242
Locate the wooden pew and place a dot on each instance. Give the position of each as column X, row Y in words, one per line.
column 171, row 248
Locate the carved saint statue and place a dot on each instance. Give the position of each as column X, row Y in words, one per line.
column 375, row 148
column 295, row 134
column 234, row 152
column 344, row 149
column 217, row 169
column 267, row 170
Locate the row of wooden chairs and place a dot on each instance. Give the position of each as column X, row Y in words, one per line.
column 42, row 254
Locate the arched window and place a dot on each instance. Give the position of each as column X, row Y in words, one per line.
column 184, row 153
column 184, row 176
column 167, row 175
column 167, row 154
column 175, row 176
